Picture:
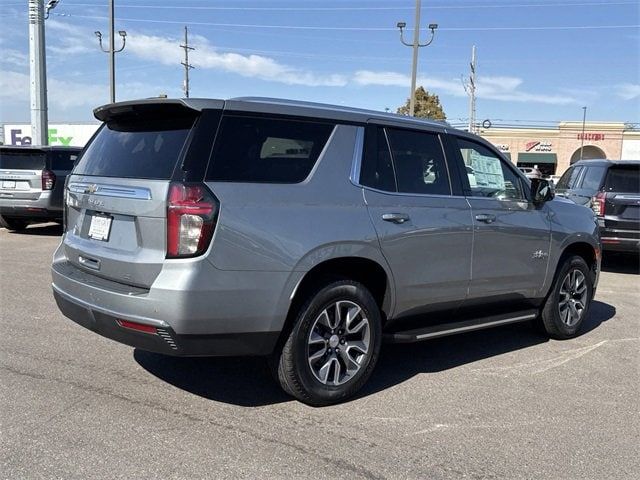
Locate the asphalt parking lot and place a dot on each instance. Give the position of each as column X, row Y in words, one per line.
column 502, row 403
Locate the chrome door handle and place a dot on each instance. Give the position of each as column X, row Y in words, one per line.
column 486, row 218
column 395, row 217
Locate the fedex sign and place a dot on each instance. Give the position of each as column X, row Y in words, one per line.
column 59, row 134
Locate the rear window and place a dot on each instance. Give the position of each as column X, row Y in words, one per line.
column 623, row 179
column 266, row 150
column 22, row 160
column 140, row 148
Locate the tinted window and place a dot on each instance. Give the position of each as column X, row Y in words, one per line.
column 62, row 160
column 569, row 179
column 14, row 160
column 623, row 179
column 266, row 150
column 377, row 168
column 136, row 148
column 488, row 175
column 592, row 178
column 419, row 162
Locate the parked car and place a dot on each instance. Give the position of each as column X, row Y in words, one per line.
column 32, row 183
column 308, row 233
column 531, row 172
column 612, row 189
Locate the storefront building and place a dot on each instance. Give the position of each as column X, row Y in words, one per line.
column 552, row 150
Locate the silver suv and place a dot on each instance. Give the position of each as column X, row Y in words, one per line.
column 310, row 233
column 32, row 183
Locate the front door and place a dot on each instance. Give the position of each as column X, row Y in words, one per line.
column 512, row 236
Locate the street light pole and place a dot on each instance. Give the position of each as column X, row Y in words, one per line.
column 415, row 45
column 584, row 120
column 112, row 49
column 38, row 73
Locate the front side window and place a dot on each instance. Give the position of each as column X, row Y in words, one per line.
column 266, row 150
column 488, row 175
column 419, row 162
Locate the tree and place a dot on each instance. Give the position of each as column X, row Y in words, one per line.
column 427, row 106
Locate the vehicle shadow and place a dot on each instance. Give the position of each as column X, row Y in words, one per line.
column 41, row 230
column 247, row 381
column 621, row 263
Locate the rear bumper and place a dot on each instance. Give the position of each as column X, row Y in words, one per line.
column 165, row 340
column 620, row 240
column 200, row 310
column 41, row 207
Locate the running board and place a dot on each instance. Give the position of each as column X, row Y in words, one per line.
column 420, row 334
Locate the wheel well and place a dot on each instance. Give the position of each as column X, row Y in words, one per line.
column 584, row 250
column 365, row 271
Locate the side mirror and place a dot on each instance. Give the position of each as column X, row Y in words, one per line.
column 541, row 190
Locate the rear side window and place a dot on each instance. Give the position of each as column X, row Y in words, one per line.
column 419, row 162
column 63, row 160
column 377, row 167
column 592, row 178
column 136, row 148
column 623, row 179
column 266, row 150
column 12, row 160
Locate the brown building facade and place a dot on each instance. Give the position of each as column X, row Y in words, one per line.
column 554, row 149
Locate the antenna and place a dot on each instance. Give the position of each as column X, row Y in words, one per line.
column 186, row 64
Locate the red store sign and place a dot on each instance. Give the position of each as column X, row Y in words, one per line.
column 591, row 136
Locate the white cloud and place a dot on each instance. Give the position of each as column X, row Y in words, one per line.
column 628, row 91
column 492, row 88
column 206, row 56
column 65, row 95
column 14, row 57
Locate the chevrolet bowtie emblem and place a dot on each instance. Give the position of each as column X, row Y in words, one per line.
column 91, row 188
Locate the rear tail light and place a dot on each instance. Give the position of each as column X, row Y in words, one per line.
column 191, row 217
column 597, row 204
column 48, row 180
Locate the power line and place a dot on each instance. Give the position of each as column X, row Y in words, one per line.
column 186, row 64
column 355, row 29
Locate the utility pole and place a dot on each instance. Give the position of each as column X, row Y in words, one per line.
column 472, row 92
column 584, row 121
column 38, row 73
column 415, row 45
column 111, row 50
column 187, row 65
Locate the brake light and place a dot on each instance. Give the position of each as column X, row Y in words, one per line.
column 597, row 204
column 191, row 217
column 48, row 179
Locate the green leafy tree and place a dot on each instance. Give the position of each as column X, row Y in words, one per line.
column 427, row 106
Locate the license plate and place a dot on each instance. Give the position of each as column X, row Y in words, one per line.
column 100, row 227
column 8, row 184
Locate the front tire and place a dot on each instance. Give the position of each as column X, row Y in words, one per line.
column 333, row 346
column 568, row 302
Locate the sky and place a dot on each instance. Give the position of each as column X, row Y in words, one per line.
column 539, row 61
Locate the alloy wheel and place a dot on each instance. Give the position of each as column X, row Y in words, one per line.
column 573, row 297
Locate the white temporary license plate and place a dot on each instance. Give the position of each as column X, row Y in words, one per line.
column 100, row 227
column 8, row 184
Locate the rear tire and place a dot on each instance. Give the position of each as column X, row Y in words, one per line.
column 568, row 302
column 333, row 346
column 13, row 224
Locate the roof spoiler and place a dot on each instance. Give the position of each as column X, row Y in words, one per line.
column 175, row 106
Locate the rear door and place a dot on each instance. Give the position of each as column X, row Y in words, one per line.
column 424, row 230
column 622, row 199
column 116, row 197
column 21, row 173
column 511, row 235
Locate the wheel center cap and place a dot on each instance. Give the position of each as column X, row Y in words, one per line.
column 334, row 340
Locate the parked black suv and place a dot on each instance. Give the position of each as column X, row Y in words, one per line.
column 612, row 189
column 32, row 183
